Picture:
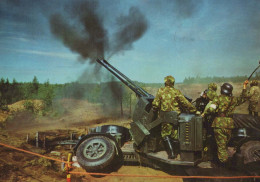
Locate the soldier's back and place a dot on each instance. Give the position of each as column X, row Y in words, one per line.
column 169, row 99
column 255, row 94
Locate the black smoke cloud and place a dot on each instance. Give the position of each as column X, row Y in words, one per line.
column 86, row 35
column 131, row 27
column 86, row 27
column 84, row 31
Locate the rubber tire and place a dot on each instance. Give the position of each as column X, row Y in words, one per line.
column 247, row 151
column 101, row 162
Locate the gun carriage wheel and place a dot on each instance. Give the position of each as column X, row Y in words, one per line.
column 96, row 153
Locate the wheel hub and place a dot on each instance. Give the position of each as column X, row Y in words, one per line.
column 95, row 149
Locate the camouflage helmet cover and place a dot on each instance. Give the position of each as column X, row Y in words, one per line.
column 169, row 80
column 254, row 83
column 213, row 86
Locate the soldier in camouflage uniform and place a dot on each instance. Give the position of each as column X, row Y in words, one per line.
column 224, row 106
column 253, row 97
column 212, row 91
column 169, row 98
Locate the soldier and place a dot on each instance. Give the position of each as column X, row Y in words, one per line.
column 211, row 93
column 169, row 98
column 253, row 96
column 201, row 102
column 224, row 106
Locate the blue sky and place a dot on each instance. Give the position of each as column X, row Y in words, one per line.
column 175, row 37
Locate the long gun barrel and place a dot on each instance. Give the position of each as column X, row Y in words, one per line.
column 128, row 82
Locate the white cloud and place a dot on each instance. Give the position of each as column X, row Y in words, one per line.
column 42, row 53
column 19, row 39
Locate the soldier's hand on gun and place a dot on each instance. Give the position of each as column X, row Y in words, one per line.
column 202, row 115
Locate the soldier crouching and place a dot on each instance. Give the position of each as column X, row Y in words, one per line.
column 167, row 99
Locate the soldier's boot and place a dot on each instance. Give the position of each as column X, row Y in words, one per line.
column 169, row 147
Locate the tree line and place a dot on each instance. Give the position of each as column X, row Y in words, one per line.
column 234, row 79
column 11, row 92
column 110, row 93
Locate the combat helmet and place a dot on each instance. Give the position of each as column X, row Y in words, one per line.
column 213, row 86
column 253, row 83
column 169, row 80
column 226, row 89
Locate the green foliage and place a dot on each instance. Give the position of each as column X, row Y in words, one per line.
column 13, row 92
column 31, row 89
column 35, row 85
column 5, row 95
column 46, row 93
column 29, row 105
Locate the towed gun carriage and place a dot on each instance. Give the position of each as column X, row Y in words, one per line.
column 108, row 144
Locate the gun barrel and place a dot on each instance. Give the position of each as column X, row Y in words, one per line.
column 253, row 72
column 128, row 82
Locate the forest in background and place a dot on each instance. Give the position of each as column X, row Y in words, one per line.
column 111, row 92
column 234, row 79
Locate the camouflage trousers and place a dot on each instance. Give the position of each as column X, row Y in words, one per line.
column 167, row 129
column 252, row 107
column 222, row 136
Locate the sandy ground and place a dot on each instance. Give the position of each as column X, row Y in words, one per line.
column 78, row 117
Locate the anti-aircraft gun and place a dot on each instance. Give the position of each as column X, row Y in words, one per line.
column 145, row 120
column 106, row 145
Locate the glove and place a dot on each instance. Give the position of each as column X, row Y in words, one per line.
column 245, row 83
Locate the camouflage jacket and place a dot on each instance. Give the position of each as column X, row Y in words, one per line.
column 254, row 94
column 211, row 94
column 224, row 107
column 171, row 99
